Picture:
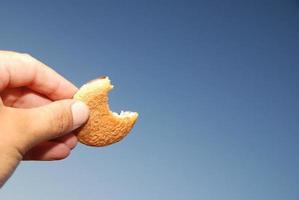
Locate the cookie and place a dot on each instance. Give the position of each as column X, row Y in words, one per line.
column 103, row 127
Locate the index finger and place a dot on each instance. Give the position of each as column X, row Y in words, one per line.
column 22, row 70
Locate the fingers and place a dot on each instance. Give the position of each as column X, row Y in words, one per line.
column 69, row 140
column 23, row 98
column 26, row 98
column 49, row 122
column 50, row 150
column 17, row 70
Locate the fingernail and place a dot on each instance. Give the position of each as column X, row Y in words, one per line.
column 80, row 113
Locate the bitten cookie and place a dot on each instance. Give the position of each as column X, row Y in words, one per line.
column 103, row 127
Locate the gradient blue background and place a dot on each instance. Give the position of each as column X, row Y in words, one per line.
column 215, row 83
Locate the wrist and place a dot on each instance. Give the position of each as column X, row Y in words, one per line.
column 9, row 160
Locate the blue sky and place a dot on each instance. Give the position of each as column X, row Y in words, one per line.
column 215, row 84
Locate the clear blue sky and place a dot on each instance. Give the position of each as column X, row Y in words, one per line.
column 215, row 83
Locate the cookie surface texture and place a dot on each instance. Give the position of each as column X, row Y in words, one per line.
column 103, row 127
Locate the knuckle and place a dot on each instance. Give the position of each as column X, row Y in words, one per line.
column 26, row 56
column 60, row 122
column 10, row 52
column 16, row 54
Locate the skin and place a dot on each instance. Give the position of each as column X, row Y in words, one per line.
column 36, row 113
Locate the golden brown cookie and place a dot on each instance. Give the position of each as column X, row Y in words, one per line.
column 103, row 127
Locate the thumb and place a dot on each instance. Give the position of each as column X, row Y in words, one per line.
column 53, row 120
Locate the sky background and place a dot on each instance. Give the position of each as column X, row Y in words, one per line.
column 215, row 84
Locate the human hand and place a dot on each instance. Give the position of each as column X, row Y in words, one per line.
column 37, row 112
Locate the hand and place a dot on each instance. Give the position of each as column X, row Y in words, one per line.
column 37, row 113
